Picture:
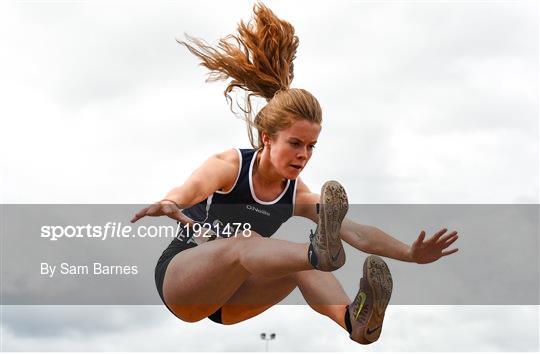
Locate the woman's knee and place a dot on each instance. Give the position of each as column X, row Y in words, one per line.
column 241, row 245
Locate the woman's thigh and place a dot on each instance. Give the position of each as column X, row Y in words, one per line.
column 201, row 279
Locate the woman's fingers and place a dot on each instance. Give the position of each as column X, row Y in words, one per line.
column 139, row 214
column 450, row 241
column 436, row 237
column 445, row 238
column 446, row 253
column 158, row 209
column 152, row 210
column 172, row 211
column 420, row 239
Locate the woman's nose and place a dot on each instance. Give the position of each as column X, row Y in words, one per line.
column 302, row 154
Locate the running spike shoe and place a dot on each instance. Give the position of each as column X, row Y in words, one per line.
column 326, row 251
column 367, row 310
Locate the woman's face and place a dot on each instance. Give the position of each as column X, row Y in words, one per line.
column 291, row 148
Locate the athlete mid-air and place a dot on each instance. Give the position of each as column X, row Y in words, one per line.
column 232, row 277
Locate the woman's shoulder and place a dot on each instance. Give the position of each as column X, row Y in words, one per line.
column 232, row 158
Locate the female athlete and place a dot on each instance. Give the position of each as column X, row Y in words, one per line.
column 254, row 191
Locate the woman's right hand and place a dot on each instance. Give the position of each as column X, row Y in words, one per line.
column 164, row 207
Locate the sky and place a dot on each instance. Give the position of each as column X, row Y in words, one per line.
column 424, row 102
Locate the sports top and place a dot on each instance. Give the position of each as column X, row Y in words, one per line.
column 240, row 205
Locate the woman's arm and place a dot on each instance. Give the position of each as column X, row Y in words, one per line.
column 217, row 173
column 373, row 240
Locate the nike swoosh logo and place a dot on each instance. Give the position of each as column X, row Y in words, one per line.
column 370, row 331
column 363, row 298
column 336, row 257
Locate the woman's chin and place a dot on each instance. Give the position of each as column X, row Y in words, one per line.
column 292, row 174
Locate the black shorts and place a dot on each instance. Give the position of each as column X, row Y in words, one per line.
column 176, row 246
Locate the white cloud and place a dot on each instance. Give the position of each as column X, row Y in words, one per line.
column 102, row 96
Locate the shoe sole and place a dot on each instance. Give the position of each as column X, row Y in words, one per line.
column 380, row 281
column 334, row 206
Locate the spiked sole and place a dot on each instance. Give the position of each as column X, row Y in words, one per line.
column 334, row 206
column 380, row 280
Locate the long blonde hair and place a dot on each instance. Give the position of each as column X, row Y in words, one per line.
column 259, row 59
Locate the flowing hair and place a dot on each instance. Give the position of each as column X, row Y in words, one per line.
column 259, row 59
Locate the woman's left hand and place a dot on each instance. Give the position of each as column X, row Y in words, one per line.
column 432, row 249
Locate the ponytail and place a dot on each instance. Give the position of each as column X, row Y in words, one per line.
column 258, row 59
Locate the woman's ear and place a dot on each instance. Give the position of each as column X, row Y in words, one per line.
column 265, row 138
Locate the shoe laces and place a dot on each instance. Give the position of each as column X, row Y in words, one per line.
column 311, row 234
column 316, row 241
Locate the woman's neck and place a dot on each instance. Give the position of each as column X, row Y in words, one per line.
column 266, row 174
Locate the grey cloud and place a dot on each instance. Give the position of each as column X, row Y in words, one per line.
column 41, row 322
column 407, row 328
